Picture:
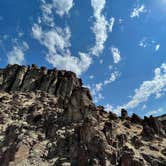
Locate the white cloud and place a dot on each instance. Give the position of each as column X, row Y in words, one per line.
column 116, row 54
column 60, row 7
column 155, row 112
column 108, row 107
column 157, row 47
column 143, row 43
column 137, row 11
column 97, row 88
column 47, row 14
column 63, row 6
column 111, row 24
column 57, row 41
column 96, row 91
column 101, row 26
column 149, row 88
column 16, row 55
column 112, row 78
column 72, row 63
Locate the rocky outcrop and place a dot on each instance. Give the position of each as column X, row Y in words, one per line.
column 124, row 114
column 152, row 127
column 26, row 78
column 48, row 118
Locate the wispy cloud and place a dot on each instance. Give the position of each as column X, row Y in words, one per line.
column 155, row 112
column 112, row 78
column 137, row 11
column 154, row 87
column 143, row 43
column 157, row 47
column 98, row 88
column 101, row 26
column 47, row 14
column 77, row 64
column 146, row 42
column 111, row 24
column 60, row 7
column 16, row 55
column 63, row 6
column 116, row 54
column 57, row 41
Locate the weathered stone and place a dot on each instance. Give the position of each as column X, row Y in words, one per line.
column 124, row 114
column 136, row 119
column 127, row 158
column 148, row 132
column 112, row 116
column 48, row 118
column 155, row 125
column 136, row 142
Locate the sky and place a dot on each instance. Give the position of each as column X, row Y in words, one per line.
column 117, row 47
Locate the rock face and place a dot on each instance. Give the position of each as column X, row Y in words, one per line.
column 26, row 78
column 48, row 118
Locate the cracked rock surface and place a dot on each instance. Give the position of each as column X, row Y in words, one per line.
column 47, row 118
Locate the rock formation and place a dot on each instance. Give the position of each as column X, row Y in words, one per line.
column 48, row 118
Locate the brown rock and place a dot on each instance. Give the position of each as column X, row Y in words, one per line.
column 136, row 119
column 136, row 142
column 48, row 118
column 124, row 114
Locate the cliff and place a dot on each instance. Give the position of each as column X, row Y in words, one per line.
column 48, row 118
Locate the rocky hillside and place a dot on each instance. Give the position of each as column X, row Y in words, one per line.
column 47, row 118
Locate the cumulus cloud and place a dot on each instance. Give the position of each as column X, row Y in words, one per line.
column 137, row 11
column 101, row 26
column 57, row 41
column 116, row 54
column 72, row 63
column 60, row 7
column 149, row 88
column 63, row 6
column 16, row 55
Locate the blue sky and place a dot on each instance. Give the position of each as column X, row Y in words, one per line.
column 117, row 47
